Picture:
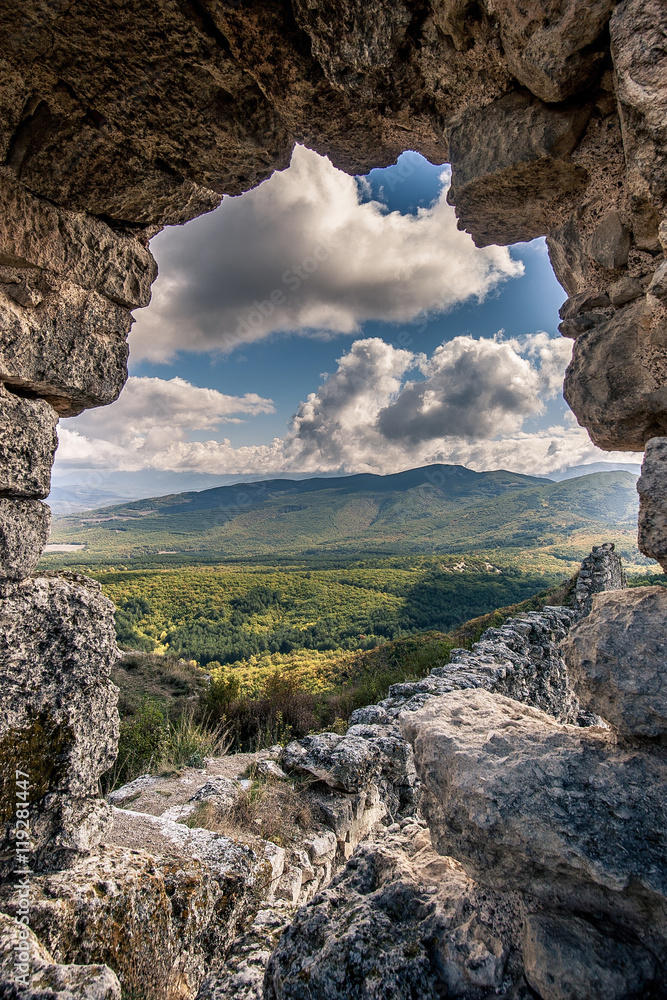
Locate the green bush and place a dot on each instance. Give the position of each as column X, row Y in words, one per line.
column 149, row 743
column 141, row 746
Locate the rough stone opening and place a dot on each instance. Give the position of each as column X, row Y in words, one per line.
column 118, row 121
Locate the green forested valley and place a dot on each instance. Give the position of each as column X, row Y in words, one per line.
column 298, row 577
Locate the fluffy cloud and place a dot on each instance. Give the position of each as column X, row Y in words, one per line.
column 471, row 388
column 302, row 253
column 151, row 419
column 468, row 408
column 339, row 419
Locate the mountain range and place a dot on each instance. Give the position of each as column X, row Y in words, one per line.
column 438, row 508
column 75, row 491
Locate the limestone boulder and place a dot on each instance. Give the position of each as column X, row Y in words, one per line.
column 59, row 722
column 158, row 920
column 610, row 242
column 509, row 161
column 270, row 769
column 567, row 816
column 625, row 290
column 349, row 763
column 28, row 443
column 617, row 660
column 583, row 303
column 567, row 958
column 24, row 530
column 567, row 252
column 68, row 345
column 370, row 759
column 554, row 49
column 652, row 489
column 616, row 380
column 399, row 923
column 29, row 972
column 37, row 236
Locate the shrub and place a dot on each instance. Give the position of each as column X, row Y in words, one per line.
column 150, row 743
column 141, row 745
column 271, row 810
column 283, row 711
column 189, row 742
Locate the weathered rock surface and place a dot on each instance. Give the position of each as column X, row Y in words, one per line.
column 637, row 47
column 85, row 250
column 567, row 958
column 28, row 443
column 69, row 347
column 28, row 971
column 399, row 922
column 625, row 290
column 242, row 976
column 554, row 49
column 157, row 920
column 652, row 489
column 568, row 816
column 616, row 381
column 600, row 571
column 24, row 531
column 518, row 183
column 617, row 660
column 610, row 242
column 59, row 723
column 352, row 762
column 521, row 659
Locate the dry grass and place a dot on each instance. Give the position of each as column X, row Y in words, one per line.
column 268, row 810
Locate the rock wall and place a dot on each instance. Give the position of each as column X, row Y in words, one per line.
column 118, row 119
column 544, row 872
column 601, row 570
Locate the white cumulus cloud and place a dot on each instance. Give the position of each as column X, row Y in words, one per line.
column 152, row 419
column 302, row 253
column 382, row 410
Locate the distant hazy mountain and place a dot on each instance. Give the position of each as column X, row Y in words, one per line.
column 434, row 509
column 72, row 492
column 574, row 471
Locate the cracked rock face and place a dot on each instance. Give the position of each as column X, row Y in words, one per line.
column 570, row 817
column 27, row 445
column 157, row 921
column 616, row 380
column 399, row 923
column 617, row 660
column 24, row 531
column 48, row 979
column 59, row 722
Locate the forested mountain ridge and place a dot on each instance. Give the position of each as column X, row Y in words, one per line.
column 434, row 509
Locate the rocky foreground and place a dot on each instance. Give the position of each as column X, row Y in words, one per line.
column 496, row 828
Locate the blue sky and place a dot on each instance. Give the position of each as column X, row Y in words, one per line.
column 323, row 323
column 287, row 367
